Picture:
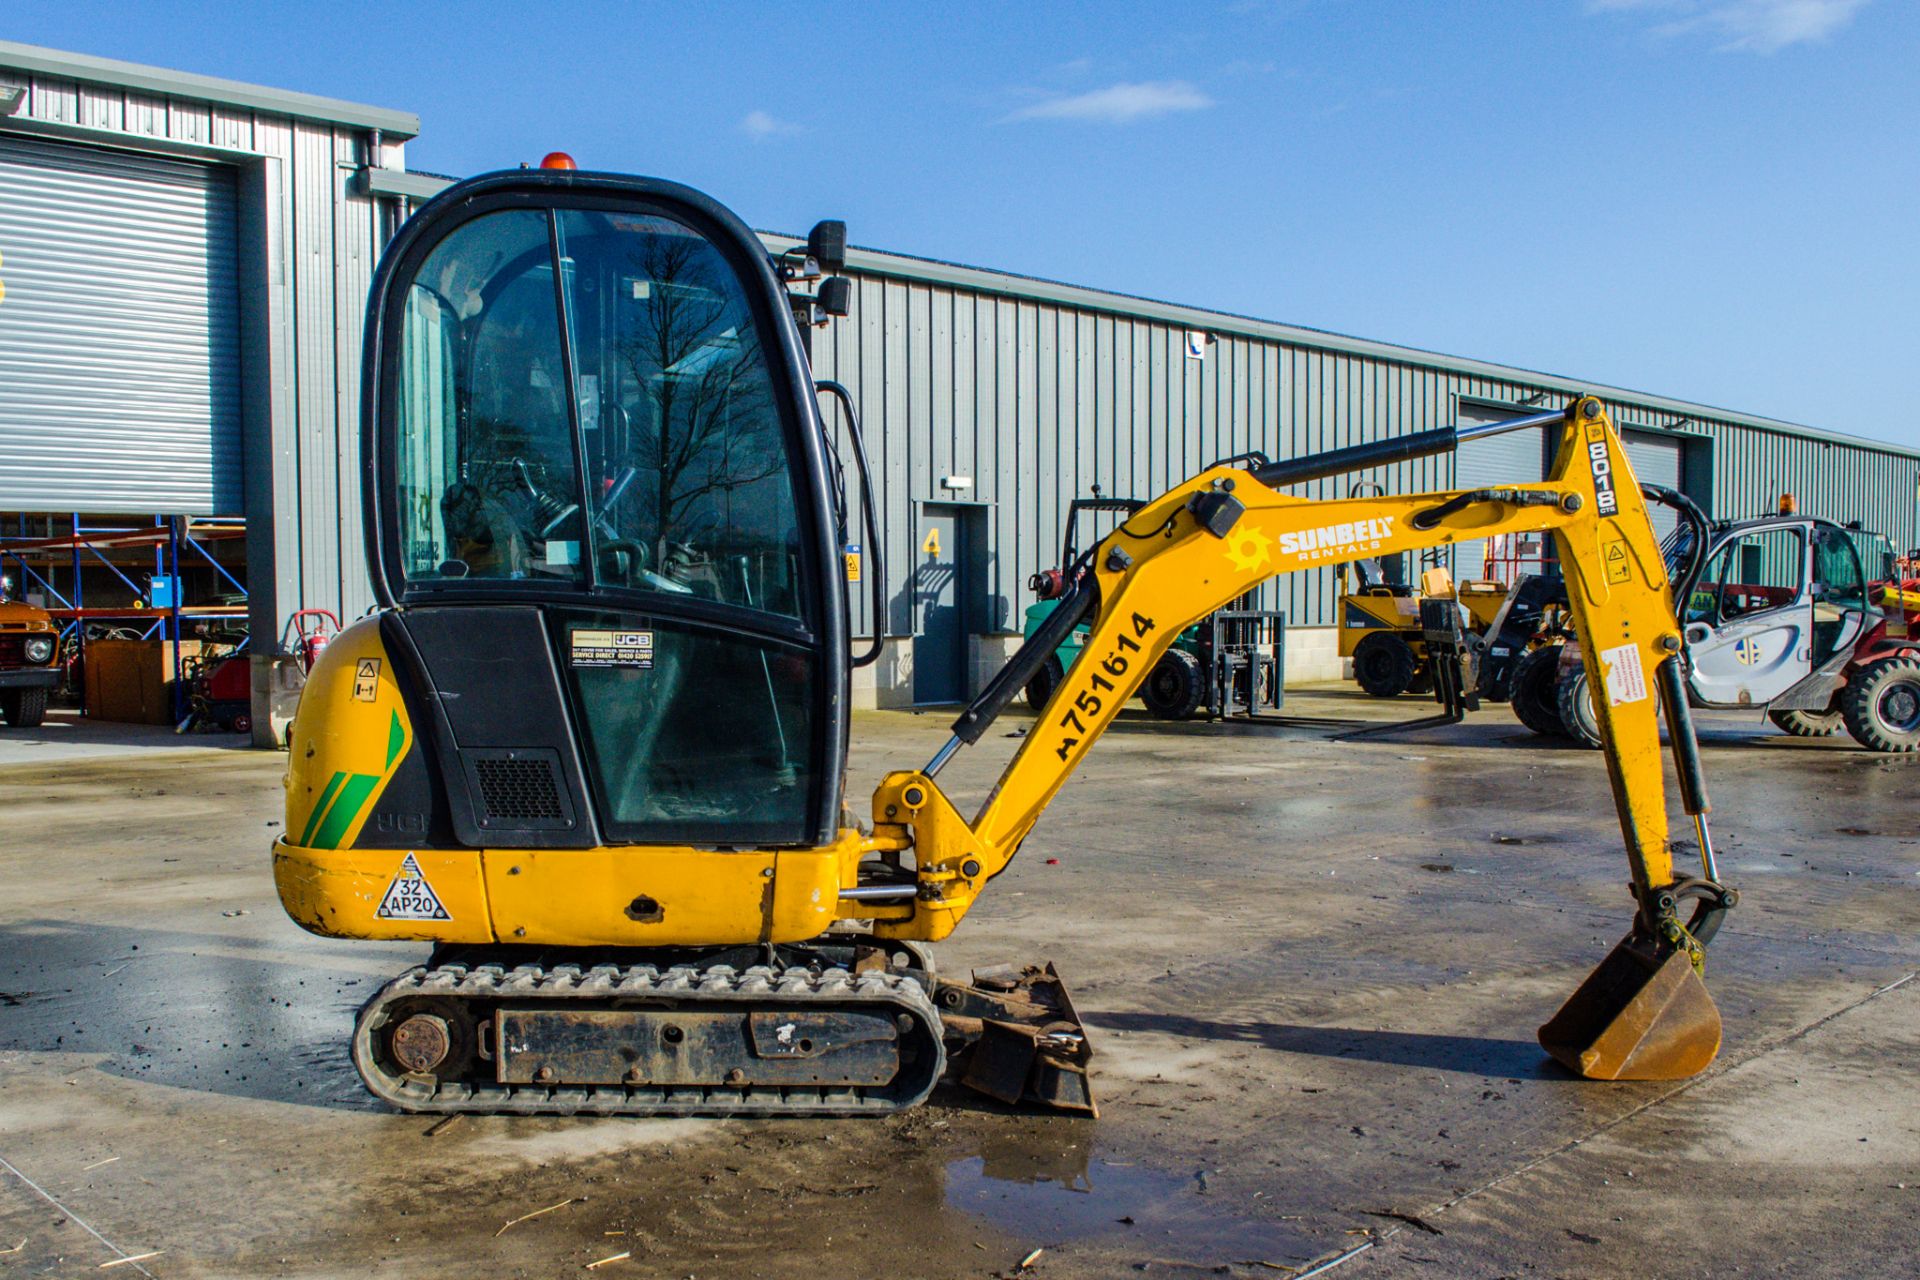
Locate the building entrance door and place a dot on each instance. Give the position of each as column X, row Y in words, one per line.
column 939, row 595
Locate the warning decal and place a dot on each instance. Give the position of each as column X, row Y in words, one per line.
column 591, row 647
column 1626, row 676
column 410, row 897
column 1614, row 554
column 366, row 680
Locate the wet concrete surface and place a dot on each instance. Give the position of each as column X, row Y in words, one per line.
column 1312, row 969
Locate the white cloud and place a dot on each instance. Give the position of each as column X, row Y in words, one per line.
column 759, row 125
column 1757, row 26
column 1119, row 103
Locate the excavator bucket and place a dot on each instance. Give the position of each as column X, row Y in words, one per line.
column 1643, row 1014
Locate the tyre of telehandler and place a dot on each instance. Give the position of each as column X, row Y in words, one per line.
column 1174, row 689
column 1574, row 699
column 1383, row 665
column 1882, row 705
column 1807, row 724
column 23, row 708
column 1533, row 697
column 1042, row 683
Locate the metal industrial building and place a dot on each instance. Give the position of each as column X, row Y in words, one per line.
column 186, row 261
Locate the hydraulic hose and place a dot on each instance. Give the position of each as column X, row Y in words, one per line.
column 1073, row 609
column 1696, row 520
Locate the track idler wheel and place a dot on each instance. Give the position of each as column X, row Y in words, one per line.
column 1643, row 1014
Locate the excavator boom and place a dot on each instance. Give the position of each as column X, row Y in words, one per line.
column 1645, row 1013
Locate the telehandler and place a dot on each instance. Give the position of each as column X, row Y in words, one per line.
column 592, row 743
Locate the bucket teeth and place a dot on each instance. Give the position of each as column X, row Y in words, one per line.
column 1642, row 1014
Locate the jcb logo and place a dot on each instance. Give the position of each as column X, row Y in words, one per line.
column 1602, row 463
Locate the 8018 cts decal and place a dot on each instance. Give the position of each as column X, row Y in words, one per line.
column 1602, row 463
column 1089, row 700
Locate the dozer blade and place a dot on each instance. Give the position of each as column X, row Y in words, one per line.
column 1012, row 1034
column 1643, row 1014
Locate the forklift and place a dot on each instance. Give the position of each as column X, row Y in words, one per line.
column 1232, row 663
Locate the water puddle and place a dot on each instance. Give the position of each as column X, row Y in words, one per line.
column 1057, row 1197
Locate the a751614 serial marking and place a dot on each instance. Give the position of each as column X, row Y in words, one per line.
column 1089, row 700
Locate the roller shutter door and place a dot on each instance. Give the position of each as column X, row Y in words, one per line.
column 1656, row 460
column 119, row 332
column 1517, row 457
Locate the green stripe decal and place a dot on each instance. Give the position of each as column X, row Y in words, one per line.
column 396, row 739
column 320, row 807
column 345, row 809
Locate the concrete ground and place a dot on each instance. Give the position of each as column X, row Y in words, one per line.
column 1312, row 970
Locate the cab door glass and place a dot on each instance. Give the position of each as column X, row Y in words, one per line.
column 486, row 480
column 1704, row 604
column 1839, row 590
column 688, row 475
column 1758, row 573
column 1838, row 581
column 694, row 735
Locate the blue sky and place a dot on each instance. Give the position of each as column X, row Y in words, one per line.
column 1712, row 199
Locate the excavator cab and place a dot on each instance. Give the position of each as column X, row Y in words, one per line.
column 600, row 495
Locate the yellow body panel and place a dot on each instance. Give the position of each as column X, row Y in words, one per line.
column 1364, row 612
column 348, row 736
column 649, row 896
column 1482, row 601
column 626, row 896
column 337, row 892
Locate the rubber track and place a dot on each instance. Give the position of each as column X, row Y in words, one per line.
column 696, row 988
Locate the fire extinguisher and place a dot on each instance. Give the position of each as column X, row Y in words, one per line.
column 307, row 633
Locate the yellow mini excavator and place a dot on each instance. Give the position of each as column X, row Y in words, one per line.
column 592, row 744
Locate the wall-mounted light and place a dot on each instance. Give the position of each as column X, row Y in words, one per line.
column 11, row 96
column 956, row 483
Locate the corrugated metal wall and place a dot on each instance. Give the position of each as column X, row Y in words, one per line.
column 322, row 247
column 1037, row 400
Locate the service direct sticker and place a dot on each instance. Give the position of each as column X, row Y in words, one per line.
column 592, row 647
column 1626, row 675
column 409, row 896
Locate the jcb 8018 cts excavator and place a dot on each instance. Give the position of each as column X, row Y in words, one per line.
column 592, row 742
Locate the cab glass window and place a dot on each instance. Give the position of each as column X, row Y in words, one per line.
column 484, row 469
column 1751, row 574
column 687, row 472
column 1839, row 584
